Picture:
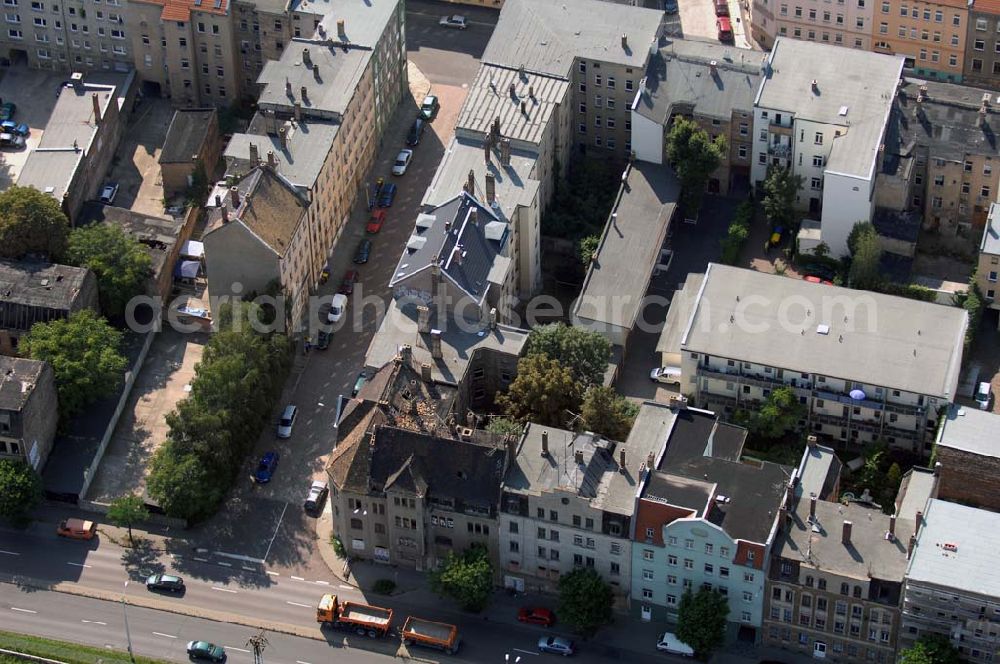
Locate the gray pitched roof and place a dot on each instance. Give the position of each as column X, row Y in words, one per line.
column 490, row 98
column 514, row 184
column 364, row 20
column 300, row 160
column 45, row 285
column 545, row 36
column 18, row 377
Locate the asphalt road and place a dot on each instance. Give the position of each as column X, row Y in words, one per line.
column 447, row 56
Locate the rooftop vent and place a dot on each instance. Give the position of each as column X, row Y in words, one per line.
column 823, row 329
column 843, row 110
column 815, row 86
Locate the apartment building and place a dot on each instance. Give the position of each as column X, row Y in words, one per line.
column 264, row 28
column 951, row 587
column 982, row 44
column 28, row 403
column 967, row 457
column 989, row 258
column 567, row 503
column 704, row 518
column 836, row 575
column 867, row 366
column 841, row 23
column 40, row 293
column 713, row 85
column 818, row 115
column 67, row 35
column 929, row 35
column 406, row 487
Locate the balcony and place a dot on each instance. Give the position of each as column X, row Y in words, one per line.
column 733, row 374
column 779, row 150
column 775, row 128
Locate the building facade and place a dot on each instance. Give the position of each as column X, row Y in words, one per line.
column 929, row 35
column 28, row 404
column 192, row 143
column 989, row 258
column 967, row 459
column 982, row 55
column 841, row 23
column 40, row 293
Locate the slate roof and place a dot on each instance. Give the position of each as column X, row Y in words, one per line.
column 490, row 98
column 186, row 135
column 45, row 285
column 18, row 377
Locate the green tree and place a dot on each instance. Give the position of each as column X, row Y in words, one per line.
column 31, row 223
column 127, row 510
column 585, row 353
column 182, row 484
column 504, row 425
column 542, row 392
column 85, row 357
column 931, row 649
column 860, row 228
column 781, row 186
column 701, row 621
column 695, row 157
column 467, row 578
column 608, row 413
column 585, row 600
column 586, row 249
column 120, row 264
column 20, row 489
column 867, row 253
column 780, row 412
column 733, row 243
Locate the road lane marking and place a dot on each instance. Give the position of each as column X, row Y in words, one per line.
column 236, row 649
column 78, row 564
column 305, row 606
column 270, row 573
column 526, row 652
column 298, row 578
column 93, row 622
column 9, row 553
column 323, row 583
column 201, row 560
column 168, row 636
column 346, row 587
column 277, row 527
column 299, row 661
column 249, row 569
column 14, row 608
column 223, row 590
column 224, row 564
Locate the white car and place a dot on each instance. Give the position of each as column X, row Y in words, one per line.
column 337, row 306
column 455, row 21
column 108, row 193
column 287, row 421
column 402, row 162
column 667, row 375
column 671, row 644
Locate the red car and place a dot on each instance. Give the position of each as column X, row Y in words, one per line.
column 351, row 277
column 816, row 280
column 536, row 616
column 376, row 221
column 725, row 29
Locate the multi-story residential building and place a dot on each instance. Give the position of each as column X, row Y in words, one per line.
column 982, row 44
column 989, row 258
column 264, row 29
column 836, row 575
column 968, row 458
column 816, row 116
column 704, row 518
column 941, row 159
column 78, row 143
column 930, row 35
column 710, row 83
column 842, row 23
column 68, row 35
column 867, row 366
column 407, row 488
column 257, row 235
column 567, row 503
column 40, row 293
column 951, row 588
column 28, row 403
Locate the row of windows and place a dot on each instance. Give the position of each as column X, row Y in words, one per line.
column 917, row 33
column 838, row 38
column 914, row 12
column 820, row 647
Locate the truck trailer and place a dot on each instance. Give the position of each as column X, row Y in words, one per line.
column 372, row 621
column 431, row 634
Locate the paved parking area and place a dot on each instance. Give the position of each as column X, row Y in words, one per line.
column 135, row 167
column 34, row 92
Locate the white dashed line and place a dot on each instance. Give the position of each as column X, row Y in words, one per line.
column 236, row 649
column 346, row 587
column 299, row 661
column 93, row 622
column 223, row 590
column 168, row 636
column 14, row 608
column 298, row 578
column 249, row 569
column 9, row 553
column 270, row 573
column 323, row 583
column 526, row 652
column 78, row 564
column 224, row 564
column 305, row 606
column 201, row 560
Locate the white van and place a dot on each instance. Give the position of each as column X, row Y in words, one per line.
column 671, row 644
column 666, row 375
column 983, row 395
column 337, row 306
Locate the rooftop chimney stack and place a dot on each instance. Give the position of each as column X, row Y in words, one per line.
column 97, row 107
column 486, row 152
column 234, row 194
column 713, row 67
column 531, row 92
column 815, row 86
column 621, row 458
column 316, row 71
column 341, row 28
column 505, row 151
column 513, row 91
column 254, row 155
column 436, row 344
column 306, row 60
column 937, row 469
column 493, row 318
column 297, row 111
column 288, row 87
column 425, row 372
column 471, row 184
column 524, row 108
column 811, row 440
column 271, row 160
column 919, row 522
column 545, row 443
column 283, row 137
column 473, row 216
column 892, row 525
column 225, row 214
column 624, row 40
column 846, row 535
column 423, row 319
column 491, row 188
column 910, row 546
column 218, row 201
column 578, row 457
column 812, row 506
column 405, row 352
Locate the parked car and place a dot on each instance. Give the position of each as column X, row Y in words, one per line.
column 7, row 110
column 76, row 529
column 174, row 584
column 429, row 107
column 313, row 503
column 206, row 650
column 813, row 279
column 666, row 375
column 359, row 383
column 287, row 421
column 670, row 6
column 11, row 141
column 337, row 307
column 983, row 396
column 724, row 28
column 108, row 193
column 324, row 276
column 265, row 469
column 323, row 340
column 351, row 277
column 402, row 162
column 375, row 221
column 387, row 195
column 453, row 21
column 556, row 645
column 416, row 131
column 671, row 644
column 721, row 8
column 536, row 616
column 364, row 252
column 11, row 127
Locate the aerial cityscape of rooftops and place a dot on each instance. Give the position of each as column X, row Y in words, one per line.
column 484, row 330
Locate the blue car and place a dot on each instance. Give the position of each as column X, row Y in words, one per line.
column 388, row 193
column 265, row 469
column 11, row 127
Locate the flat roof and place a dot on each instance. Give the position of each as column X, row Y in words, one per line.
column 490, row 97
column 546, row 36
column 47, row 285
column 970, row 430
column 307, row 144
column 330, row 75
column 186, row 134
column 991, row 232
column 364, row 20
column 819, row 472
column 678, row 491
column 630, row 245
column 865, row 337
column 972, row 565
column 514, row 184
column 678, row 314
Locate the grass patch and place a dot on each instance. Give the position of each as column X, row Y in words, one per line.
column 63, row 651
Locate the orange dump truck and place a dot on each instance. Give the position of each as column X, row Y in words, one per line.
column 432, row 634
column 363, row 619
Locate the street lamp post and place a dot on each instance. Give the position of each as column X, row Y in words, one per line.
column 128, row 635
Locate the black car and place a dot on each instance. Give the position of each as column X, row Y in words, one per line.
column 363, row 252
column 323, row 340
column 415, row 132
column 174, row 584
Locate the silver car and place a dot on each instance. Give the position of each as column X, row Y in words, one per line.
column 556, row 645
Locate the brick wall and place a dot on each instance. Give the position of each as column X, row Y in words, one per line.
column 968, row 478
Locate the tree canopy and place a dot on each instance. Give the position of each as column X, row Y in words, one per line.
column 781, row 186
column 466, row 577
column 701, row 621
column 20, row 489
column 542, row 392
column 779, row 413
column 695, row 157
column 84, row 351
column 31, row 223
column 126, row 511
column 865, row 256
column 121, row 264
column 608, row 413
column 585, row 353
column 931, row 649
column 585, row 600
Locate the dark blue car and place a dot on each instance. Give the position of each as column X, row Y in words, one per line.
column 265, row 469
column 363, row 252
column 387, row 194
column 11, row 127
